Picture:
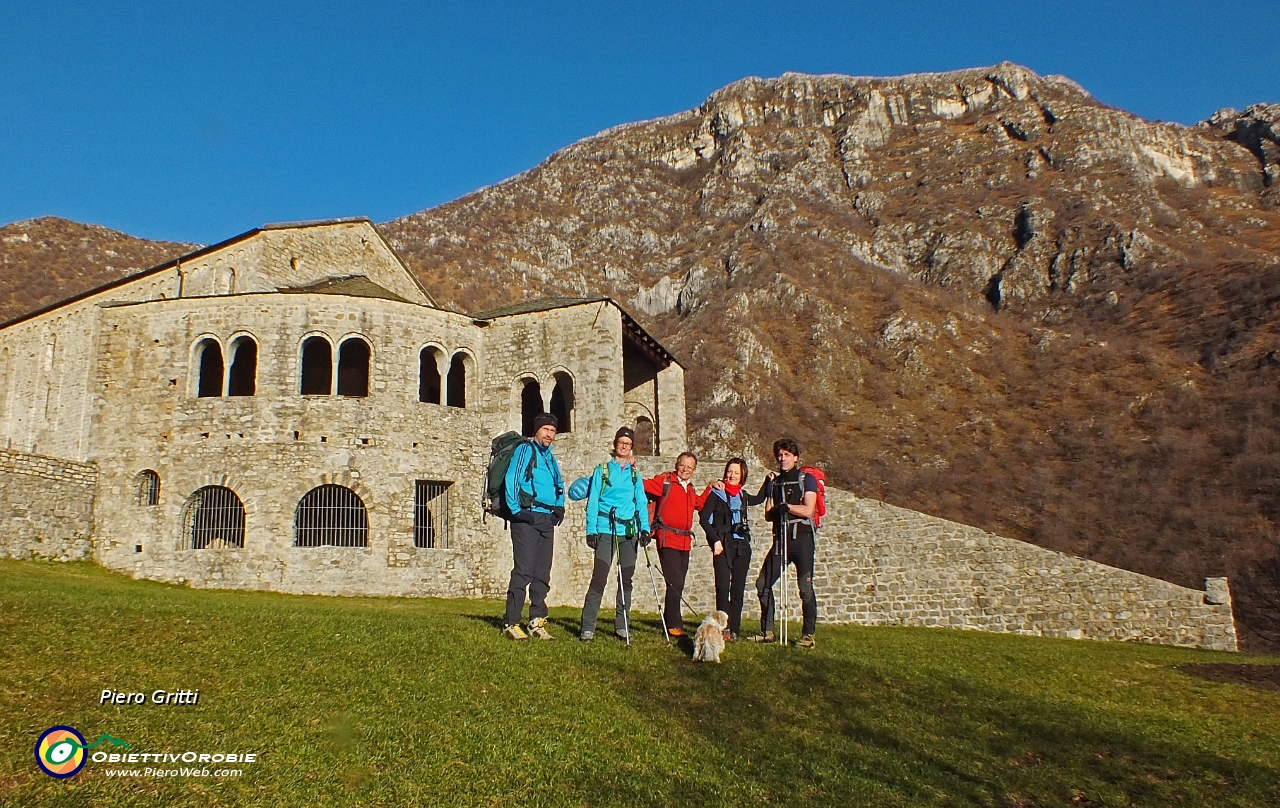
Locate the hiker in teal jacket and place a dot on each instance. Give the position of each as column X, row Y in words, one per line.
column 535, row 497
column 617, row 517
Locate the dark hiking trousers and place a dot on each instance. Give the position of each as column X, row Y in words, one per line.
column 600, row 577
column 532, row 544
column 675, row 568
column 732, row 568
column 800, row 551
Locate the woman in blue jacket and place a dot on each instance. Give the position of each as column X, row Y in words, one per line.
column 617, row 515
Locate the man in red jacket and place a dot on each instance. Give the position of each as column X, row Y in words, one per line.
column 675, row 501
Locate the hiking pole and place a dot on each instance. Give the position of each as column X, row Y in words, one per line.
column 617, row 554
column 656, row 601
column 692, row 611
column 784, row 612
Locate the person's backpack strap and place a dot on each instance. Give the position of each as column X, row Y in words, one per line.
column 658, row 524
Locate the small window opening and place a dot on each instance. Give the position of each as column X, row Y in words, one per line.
column 353, row 368
column 428, row 377
column 457, row 386
column 562, row 402
column 530, row 406
column 148, row 488
column 431, row 514
column 214, row 517
column 317, row 367
column 242, row 380
column 210, row 382
column 331, row 516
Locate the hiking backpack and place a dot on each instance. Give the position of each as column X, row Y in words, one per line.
column 501, row 450
column 656, row 525
column 819, row 507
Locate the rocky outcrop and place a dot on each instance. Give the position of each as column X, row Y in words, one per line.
column 980, row 294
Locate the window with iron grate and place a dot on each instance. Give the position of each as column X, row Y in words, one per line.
column 431, row 514
column 331, row 516
column 148, row 483
column 212, row 518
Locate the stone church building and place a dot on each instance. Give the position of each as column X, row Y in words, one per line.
column 291, row 410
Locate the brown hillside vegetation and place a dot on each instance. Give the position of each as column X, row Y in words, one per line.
column 979, row 294
column 49, row 259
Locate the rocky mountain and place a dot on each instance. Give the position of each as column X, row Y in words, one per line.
column 980, row 294
column 49, row 259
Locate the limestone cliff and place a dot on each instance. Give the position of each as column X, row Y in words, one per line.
column 981, row 294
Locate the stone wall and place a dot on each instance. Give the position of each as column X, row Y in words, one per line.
column 46, row 507
column 879, row 565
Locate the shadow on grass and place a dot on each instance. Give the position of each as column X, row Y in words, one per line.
column 859, row 737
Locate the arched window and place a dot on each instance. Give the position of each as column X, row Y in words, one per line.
column 530, row 405
column 213, row 517
column 562, row 402
column 457, row 387
column 242, row 380
column 209, row 355
column 428, row 376
column 353, row 367
column 330, row 516
column 644, row 437
column 317, row 367
column 148, row 485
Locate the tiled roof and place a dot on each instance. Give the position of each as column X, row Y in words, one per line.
column 530, row 306
column 352, row 285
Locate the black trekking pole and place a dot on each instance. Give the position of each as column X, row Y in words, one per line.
column 783, row 612
column 656, row 600
column 617, row 554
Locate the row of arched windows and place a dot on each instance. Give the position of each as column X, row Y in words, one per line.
column 326, row 516
column 320, row 375
column 239, row 380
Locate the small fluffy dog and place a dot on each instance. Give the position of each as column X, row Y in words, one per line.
column 708, row 643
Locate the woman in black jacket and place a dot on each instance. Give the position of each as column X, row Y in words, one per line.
column 724, row 520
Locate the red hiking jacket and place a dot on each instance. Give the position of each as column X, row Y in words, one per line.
column 676, row 529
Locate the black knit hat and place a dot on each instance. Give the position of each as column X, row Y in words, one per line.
column 543, row 420
column 624, row 432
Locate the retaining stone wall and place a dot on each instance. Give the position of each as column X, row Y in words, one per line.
column 880, row 565
column 46, row 507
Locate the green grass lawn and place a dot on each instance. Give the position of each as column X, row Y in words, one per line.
column 421, row 702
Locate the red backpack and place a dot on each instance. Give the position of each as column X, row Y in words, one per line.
column 820, row 507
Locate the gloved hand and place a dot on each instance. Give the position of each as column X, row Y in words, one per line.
column 593, row 540
column 558, row 513
column 644, row 538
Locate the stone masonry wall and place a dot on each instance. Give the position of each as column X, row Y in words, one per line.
column 879, row 565
column 46, row 507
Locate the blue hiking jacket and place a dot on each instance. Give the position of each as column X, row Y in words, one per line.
column 546, row 486
column 621, row 493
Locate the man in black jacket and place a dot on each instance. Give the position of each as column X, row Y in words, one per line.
column 790, row 501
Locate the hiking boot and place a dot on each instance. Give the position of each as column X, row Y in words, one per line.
column 514, row 632
column 622, row 634
column 733, row 637
column 538, row 629
column 587, row 636
column 806, row 641
column 766, row 636
column 676, row 632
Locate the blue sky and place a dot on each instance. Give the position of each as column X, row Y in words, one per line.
column 195, row 122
